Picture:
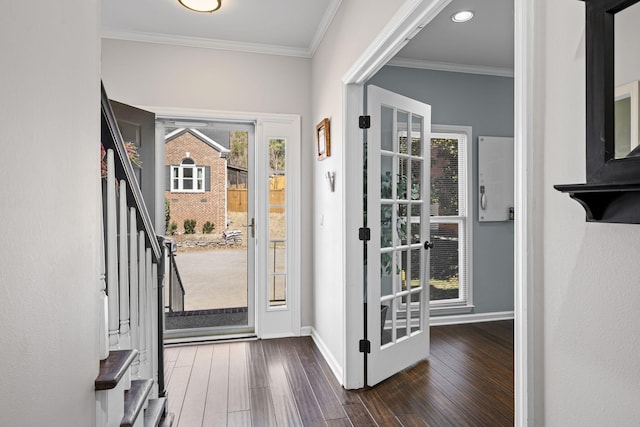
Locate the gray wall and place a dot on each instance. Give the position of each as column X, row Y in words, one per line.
column 486, row 104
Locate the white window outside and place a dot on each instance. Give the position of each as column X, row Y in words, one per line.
column 450, row 258
column 187, row 177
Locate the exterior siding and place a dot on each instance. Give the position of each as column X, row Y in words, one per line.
column 203, row 206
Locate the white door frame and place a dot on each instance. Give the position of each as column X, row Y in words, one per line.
column 265, row 121
column 412, row 16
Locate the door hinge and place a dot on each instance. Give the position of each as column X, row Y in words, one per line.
column 365, row 346
column 364, row 122
column 364, row 234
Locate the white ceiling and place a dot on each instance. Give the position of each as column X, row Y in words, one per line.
column 296, row 27
column 290, row 27
column 485, row 42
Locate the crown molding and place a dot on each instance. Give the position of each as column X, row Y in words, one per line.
column 451, row 67
column 323, row 27
column 175, row 40
column 412, row 17
column 205, row 43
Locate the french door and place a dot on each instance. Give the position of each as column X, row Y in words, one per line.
column 398, row 199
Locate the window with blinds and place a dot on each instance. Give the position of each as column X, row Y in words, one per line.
column 449, row 284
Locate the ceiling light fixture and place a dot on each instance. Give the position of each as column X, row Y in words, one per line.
column 462, row 16
column 201, row 5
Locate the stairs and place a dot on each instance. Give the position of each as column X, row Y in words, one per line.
column 155, row 411
column 124, row 402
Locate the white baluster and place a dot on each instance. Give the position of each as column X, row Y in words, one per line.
column 125, row 334
column 149, row 288
column 112, row 253
column 134, row 289
column 153, row 327
column 142, row 279
column 103, row 304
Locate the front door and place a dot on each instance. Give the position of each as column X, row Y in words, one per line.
column 398, row 194
column 210, row 204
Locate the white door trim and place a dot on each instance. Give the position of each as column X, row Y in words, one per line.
column 412, row 16
column 293, row 204
column 525, row 245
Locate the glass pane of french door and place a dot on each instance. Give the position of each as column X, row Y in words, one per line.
column 400, row 226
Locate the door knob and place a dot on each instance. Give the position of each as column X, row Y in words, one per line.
column 428, row 245
column 251, row 225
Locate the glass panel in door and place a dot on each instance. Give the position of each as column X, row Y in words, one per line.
column 209, row 214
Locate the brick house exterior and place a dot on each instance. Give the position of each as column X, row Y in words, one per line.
column 196, row 184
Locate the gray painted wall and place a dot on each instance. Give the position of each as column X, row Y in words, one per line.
column 486, row 104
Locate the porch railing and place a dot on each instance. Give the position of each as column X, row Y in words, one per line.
column 175, row 287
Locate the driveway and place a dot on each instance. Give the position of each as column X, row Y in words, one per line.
column 213, row 279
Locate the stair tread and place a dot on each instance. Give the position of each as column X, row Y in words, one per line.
column 167, row 420
column 113, row 368
column 154, row 411
column 134, row 400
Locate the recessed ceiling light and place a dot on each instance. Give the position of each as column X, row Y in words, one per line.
column 462, row 16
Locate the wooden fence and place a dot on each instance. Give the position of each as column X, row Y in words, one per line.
column 237, row 196
column 237, row 200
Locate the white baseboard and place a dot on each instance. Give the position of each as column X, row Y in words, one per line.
column 471, row 318
column 275, row 336
column 333, row 363
column 306, row 331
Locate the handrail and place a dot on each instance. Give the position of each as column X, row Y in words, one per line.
column 112, row 139
column 176, row 293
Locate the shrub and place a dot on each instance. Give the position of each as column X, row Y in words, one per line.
column 208, row 227
column 189, row 226
column 173, row 227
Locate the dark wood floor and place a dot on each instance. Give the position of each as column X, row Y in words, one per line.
column 467, row 381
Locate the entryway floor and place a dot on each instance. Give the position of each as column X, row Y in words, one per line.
column 466, row 381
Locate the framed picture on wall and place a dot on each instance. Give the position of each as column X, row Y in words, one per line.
column 323, row 137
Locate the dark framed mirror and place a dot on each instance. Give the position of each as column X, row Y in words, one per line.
column 612, row 190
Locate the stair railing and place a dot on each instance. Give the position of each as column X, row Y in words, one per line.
column 131, row 284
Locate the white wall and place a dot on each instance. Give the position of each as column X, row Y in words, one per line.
column 586, row 294
column 49, row 255
column 147, row 74
column 354, row 27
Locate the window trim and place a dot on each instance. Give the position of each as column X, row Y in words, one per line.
column 180, row 169
column 464, row 303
